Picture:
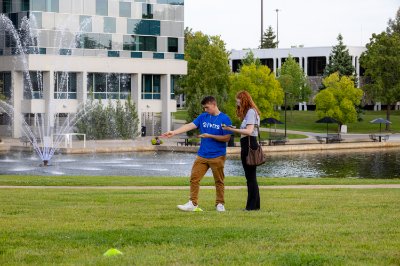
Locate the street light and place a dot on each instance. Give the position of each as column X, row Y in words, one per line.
column 286, row 93
column 262, row 21
column 277, row 29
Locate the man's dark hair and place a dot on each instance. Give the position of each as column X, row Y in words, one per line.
column 208, row 99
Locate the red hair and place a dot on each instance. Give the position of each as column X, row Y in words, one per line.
column 246, row 103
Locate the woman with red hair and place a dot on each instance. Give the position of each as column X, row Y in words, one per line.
column 248, row 113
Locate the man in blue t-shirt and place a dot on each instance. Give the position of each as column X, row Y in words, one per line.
column 212, row 152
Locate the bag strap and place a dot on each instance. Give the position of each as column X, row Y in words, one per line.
column 258, row 131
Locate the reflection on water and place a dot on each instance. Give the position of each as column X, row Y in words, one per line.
column 361, row 164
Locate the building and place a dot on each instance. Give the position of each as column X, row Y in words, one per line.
column 111, row 48
column 311, row 59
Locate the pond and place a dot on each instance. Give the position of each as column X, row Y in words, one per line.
column 384, row 163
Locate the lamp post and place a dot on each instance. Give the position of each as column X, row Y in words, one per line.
column 285, row 114
column 262, row 21
column 277, row 29
column 286, row 93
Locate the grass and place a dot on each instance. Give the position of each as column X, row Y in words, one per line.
column 174, row 181
column 180, row 114
column 294, row 227
column 305, row 121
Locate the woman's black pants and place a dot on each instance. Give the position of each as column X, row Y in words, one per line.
column 253, row 194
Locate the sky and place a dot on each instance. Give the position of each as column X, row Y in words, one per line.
column 309, row 22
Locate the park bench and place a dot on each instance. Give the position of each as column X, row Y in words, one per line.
column 373, row 137
column 277, row 139
column 25, row 140
column 334, row 138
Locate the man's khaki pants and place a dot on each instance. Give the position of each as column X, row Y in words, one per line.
column 199, row 169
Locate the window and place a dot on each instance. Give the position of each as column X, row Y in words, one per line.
column 43, row 5
column 143, row 27
column 5, row 84
column 109, row 25
column 7, row 6
column 171, row 2
column 151, row 87
column 109, row 85
column 94, row 41
column 173, row 45
column 65, row 85
column 140, row 43
column 102, row 7
column 174, row 85
column 147, row 11
column 36, row 18
column 316, row 66
column 38, row 5
column 24, row 5
column 125, row 9
column 85, row 23
column 33, row 85
column 53, row 5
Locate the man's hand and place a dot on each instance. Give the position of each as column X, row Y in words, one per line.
column 205, row 135
column 168, row 134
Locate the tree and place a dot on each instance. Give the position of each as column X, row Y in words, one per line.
column 268, row 39
column 294, row 82
column 263, row 87
column 340, row 60
column 208, row 71
column 382, row 66
column 250, row 59
column 339, row 99
column 394, row 24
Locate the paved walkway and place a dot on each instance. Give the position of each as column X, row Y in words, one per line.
column 372, row 186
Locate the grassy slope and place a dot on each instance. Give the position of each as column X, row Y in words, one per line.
column 301, row 227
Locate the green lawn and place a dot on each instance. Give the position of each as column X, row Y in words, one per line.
column 305, row 121
column 16, row 180
column 294, row 227
column 181, row 114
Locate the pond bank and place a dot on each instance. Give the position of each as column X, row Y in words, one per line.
column 143, row 145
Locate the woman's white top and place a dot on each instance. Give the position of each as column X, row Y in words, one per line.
column 251, row 118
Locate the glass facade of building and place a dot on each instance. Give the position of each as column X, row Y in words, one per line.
column 109, row 85
column 118, row 25
column 65, row 85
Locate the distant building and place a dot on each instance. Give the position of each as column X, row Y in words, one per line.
column 311, row 59
column 111, row 48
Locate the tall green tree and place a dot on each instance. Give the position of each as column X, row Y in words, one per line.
column 262, row 86
column 340, row 60
column 394, row 24
column 382, row 66
column 294, row 82
column 250, row 59
column 208, row 71
column 339, row 99
column 268, row 39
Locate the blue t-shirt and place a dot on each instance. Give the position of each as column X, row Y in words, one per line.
column 211, row 148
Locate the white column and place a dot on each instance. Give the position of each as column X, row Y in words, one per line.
column 48, row 95
column 82, row 89
column 136, row 90
column 165, row 102
column 17, row 84
column 274, row 66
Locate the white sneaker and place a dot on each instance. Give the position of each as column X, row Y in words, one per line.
column 189, row 207
column 220, row 207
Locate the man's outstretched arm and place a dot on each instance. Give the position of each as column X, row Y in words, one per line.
column 182, row 129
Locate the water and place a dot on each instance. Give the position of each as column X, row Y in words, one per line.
column 41, row 133
column 365, row 164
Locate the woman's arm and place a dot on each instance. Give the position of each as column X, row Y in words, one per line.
column 245, row 131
